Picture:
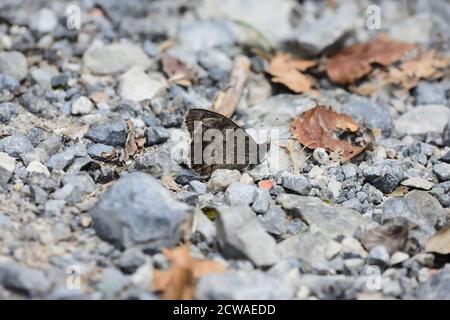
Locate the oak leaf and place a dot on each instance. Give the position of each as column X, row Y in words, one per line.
column 178, row 282
column 354, row 62
column 320, row 127
column 288, row 70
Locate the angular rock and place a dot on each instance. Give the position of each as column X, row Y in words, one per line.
column 430, row 93
column 100, row 151
column 296, row 183
column 261, row 200
column 423, row 119
column 8, row 110
column 114, row 58
column 81, row 105
column 437, row 287
column 221, row 179
column 332, row 221
column 442, row 171
column 137, row 210
column 418, row 182
column 62, row 160
column 239, row 194
column 16, row 145
column 112, row 133
column 275, row 221
column 385, row 175
column 7, row 166
column 158, row 162
column 156, row 135
column 242, row 236
column 37, row 168
column 14, row 64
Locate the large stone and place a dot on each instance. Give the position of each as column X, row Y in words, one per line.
column 136, row 85
column 241, row 285
column 332, row 221
column 137, row 210
column 114, row 58
column 14, row 64
column 242, row 236
column 423, row 119
column 419, row 207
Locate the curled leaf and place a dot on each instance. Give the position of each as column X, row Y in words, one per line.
column 289, row 71
column 322, row 128
column 354, row 62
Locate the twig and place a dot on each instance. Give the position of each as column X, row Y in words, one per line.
column 238, row 77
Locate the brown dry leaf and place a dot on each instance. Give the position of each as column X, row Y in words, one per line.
column 176, row 70
column 392, row 235
column 316, row 128
column 131, row 146
column 178, row 282
column 439, row 242
column 427, row 65
column 354, row 62
column 288, row 71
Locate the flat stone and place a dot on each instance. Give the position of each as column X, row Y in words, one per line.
column 423, row 119
column 136, row 85
column 418, row 183
column 239, row 285
column 241, row 236
column 14, row 64
column 112, row 133
column 332, row 221
column 115, row 58
column 137, row 210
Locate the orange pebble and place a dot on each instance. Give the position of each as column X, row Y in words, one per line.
column 265, row 184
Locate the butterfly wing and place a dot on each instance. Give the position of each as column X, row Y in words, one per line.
column 213, row 120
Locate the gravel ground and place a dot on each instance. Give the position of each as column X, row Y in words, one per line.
column 81, row 219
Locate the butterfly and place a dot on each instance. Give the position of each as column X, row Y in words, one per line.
column 217, row 142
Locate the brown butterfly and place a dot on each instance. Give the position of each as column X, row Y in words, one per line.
column 217, row 142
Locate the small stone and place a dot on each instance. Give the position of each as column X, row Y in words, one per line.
column 353, row 247
column 114, row 58
column 321, row 156
column 16, row 145
column 51, row 145
column 8, row 110
column 296, row 183
column 137, row 210
column 238, row 194
column 81, row 105
column 156, row 135
column 378, row 256
column 221, row 179
column 54, row 207
column 423, row 119
column 37, row 154
column 85, row 221
column 333, row 249
column 261, row 200
column 60, row 81
column 275, row 221
column 385, row 175
column 38, row 168
column 446, row 157
column 9, row 83
column 442, row 171
column 430, row 93
column 398, row 258
column 354, row 265
column 436, row 288
column 100, row 151
column 14, row 64
column 241, row 236
column 246, row 179
column 7, row 167
column 62, row 160
column 112, row 133
column 417, row 182
column 198, row 187
column 136, row 85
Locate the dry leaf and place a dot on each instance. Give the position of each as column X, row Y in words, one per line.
column 131, row 146
column 439, row 242
column 392, row 235
column 354, row 62
column 178, row 282
column 317, row 128
column 288, row 71
column 176, row 70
